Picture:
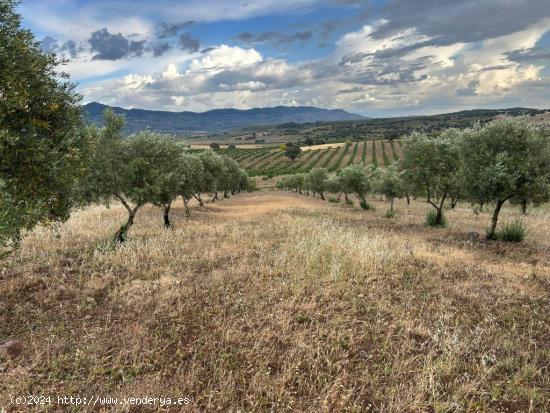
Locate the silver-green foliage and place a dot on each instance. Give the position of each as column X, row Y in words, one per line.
column 432, row 167
column 506, row 159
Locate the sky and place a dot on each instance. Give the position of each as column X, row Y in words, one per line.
column 372, row 57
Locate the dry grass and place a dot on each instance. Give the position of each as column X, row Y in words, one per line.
column 279, row 302
column 323, row 146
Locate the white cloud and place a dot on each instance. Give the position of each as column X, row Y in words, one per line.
column 225, row 57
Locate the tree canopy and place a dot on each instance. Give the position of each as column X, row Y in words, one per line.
column 432, row 167
column 506, row 159
column 41, row 144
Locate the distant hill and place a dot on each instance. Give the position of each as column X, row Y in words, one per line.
column 217, row 121
column 381, row 128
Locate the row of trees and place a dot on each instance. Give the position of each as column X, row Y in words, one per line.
column 358, row 180
column 505, row 160
column 51, row 161
column 151, row 168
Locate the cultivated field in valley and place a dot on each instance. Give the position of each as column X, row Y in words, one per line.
column 272, row 161
column 273, row 301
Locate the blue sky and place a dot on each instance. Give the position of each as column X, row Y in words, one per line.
column 377, row 58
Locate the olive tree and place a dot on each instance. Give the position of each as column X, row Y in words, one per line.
column 390, row 184
column 297, row 182
column 245, row 182
column 191, row 180
column 292, row 151
column 230, row 179
column 354, row 179
column 214, row 168
column 122, row 168
column 316, row 181
column 432, row 167
column 334, row 186
column 166, row 175
column 506, row 159
column 41, row 144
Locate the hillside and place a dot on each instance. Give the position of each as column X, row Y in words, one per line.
column 216, row 121
column 272, row 161
column 373, row 128
column 274, row 302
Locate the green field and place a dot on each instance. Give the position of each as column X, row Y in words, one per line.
column 272, row 161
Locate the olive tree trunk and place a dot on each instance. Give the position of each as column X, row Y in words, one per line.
column 491, row 234
column 438, row 208
column 198, row 198
column 186, row 206
column 120, row 235
column 167, row 223
column 454, row 201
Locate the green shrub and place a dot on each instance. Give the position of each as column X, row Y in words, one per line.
column 333, row 199
column 431, row 219
column 513, row 231
column 389, row 213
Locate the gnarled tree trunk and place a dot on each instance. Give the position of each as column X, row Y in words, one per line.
column 120, row 235
column 438, row 208
column 491, row 234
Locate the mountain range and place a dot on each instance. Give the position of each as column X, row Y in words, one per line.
column 218, row 120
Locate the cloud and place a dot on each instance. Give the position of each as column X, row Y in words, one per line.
column 528, row 55
column 113, row 46
column 165, row 30
column 160, row 48
column 71, row 48
column 451, row 21
column 470, row 90
column 189, row 43
column 274, row 38
column 49, row 44
column 222, row 72
column 67, row 49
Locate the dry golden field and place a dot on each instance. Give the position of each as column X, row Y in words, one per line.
column 275, row 302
